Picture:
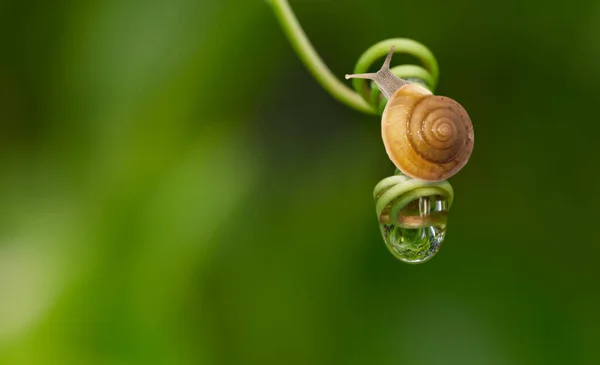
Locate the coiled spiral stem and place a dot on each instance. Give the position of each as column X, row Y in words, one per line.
column 426, row 76
column 365, row 97
column 394, row 193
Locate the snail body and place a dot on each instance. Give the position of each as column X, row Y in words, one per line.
column 427, row 137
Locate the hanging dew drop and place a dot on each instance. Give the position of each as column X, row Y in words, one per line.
column 413, row 216
column 420, row 231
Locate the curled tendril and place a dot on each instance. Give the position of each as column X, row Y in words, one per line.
column 365, row 97
column 427, row 75
column 394, row 193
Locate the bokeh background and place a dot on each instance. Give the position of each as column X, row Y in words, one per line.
column 175, row 188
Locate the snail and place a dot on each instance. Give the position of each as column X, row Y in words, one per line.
column 427, row 137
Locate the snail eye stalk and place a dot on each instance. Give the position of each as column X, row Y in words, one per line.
column 386, row 81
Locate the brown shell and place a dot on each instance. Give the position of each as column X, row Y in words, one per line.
column 427, row 137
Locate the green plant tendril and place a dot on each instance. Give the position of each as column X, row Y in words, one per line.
column 427, row 75
column 366, row 97
column 394, row 193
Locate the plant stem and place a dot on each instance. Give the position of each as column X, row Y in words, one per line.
column 313, row 62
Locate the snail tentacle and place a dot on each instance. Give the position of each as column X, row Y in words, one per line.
column 426, row 75
column 386, row 81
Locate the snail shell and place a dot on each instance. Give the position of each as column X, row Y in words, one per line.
column 427, row 137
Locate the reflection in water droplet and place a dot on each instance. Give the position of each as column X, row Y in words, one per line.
column 421, row 229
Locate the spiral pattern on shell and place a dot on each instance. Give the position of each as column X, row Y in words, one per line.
column 427, row 137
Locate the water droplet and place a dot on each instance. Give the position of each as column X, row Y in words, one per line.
column 420, row 230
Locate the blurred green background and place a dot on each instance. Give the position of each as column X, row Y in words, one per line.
column 177, row 189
